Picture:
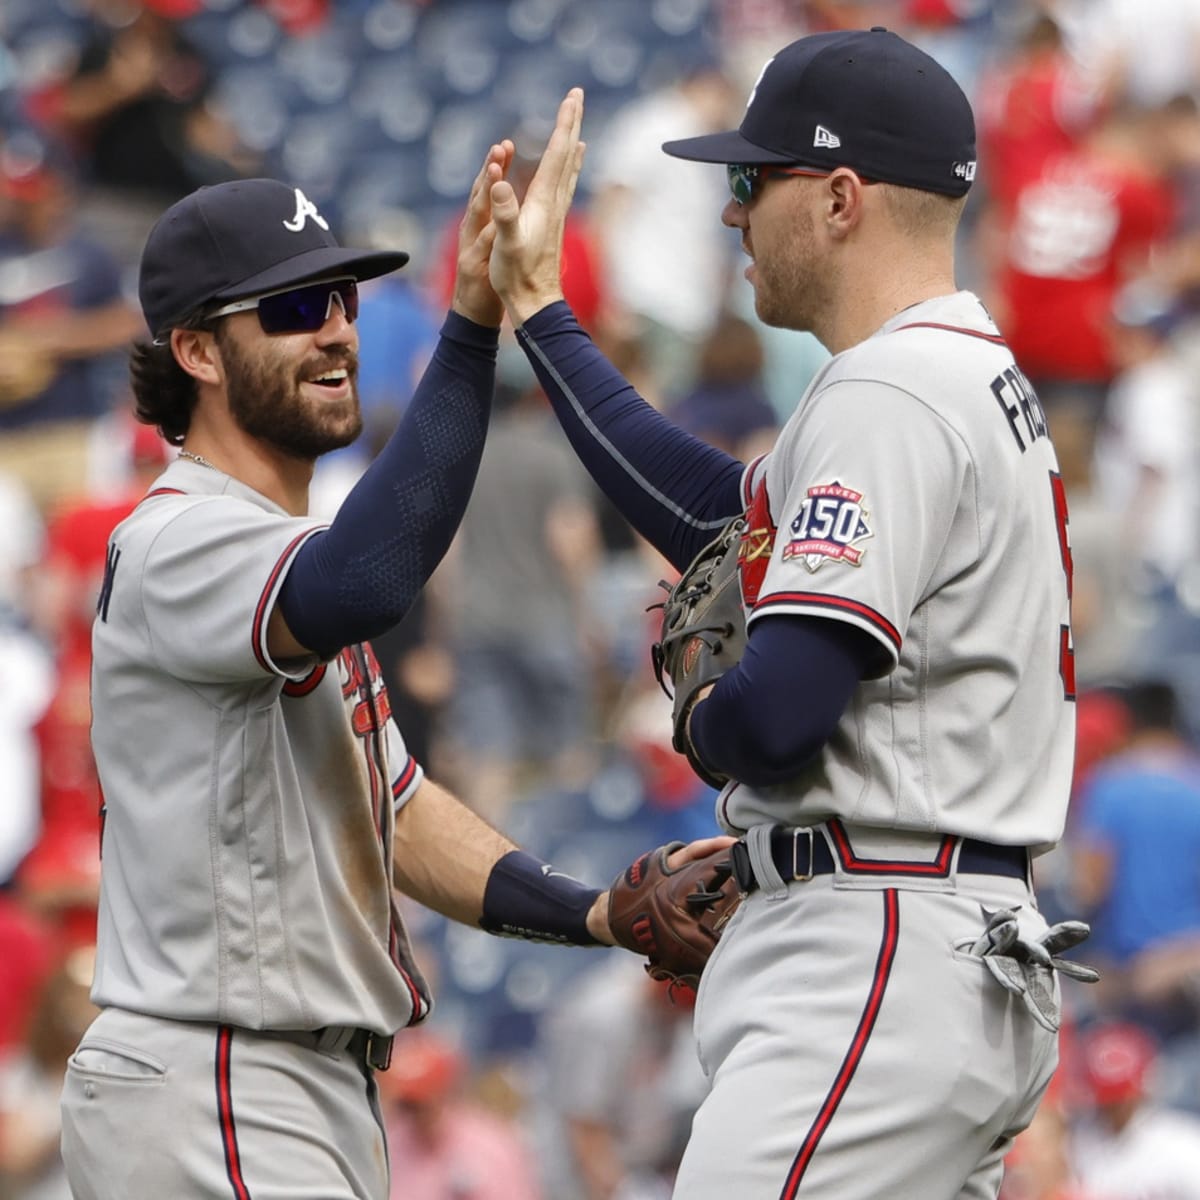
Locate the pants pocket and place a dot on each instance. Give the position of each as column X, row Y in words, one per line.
column 111, row 1061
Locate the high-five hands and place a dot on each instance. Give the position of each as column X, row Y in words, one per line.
column 474, row 296
column 526, row 261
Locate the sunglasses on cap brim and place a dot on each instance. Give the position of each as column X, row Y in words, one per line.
column 302, row 309
column 745, row 180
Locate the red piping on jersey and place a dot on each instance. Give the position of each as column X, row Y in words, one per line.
column 994, row 338
column 748, row 478
column 406, row 777
column 233, row 1157
column 858, row 1044
column 260, row 613
column 777, row 599
column 853, row 865
column 162, row 492
column 302, row 687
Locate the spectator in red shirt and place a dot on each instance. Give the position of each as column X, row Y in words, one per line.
column 1080, row 228
column 1033, row 106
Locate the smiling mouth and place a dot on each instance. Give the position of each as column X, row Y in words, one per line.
column 331, row 379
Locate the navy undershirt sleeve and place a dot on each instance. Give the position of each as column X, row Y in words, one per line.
column 359, row 577
column 768, row 716
column 677, row 491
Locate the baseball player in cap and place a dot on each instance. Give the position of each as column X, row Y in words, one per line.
column 260, row 804
column 879, row 1018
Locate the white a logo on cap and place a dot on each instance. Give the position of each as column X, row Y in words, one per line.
column 305, row 208
column 824, row 137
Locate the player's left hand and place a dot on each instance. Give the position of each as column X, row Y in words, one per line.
column 474, row 296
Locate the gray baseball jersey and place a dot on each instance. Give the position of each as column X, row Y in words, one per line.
column 247, row 852
column 914, row 494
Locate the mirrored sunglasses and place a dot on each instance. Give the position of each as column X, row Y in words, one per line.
column 301, row 309
column 746, row 181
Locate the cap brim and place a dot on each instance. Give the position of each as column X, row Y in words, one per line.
column 728, row 147
column 317, row 264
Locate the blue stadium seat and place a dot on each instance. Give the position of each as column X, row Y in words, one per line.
column 533, row 21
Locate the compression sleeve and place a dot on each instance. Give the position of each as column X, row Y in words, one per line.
column 768, row 716
column 677, row 491
column 359, row 577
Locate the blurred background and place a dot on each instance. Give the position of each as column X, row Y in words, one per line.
column 521, row 678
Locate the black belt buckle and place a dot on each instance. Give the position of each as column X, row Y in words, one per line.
column 379, row 1051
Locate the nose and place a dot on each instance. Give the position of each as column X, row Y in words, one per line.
column 338, row 329
column 734, row 214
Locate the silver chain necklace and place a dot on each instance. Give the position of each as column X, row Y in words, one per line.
column 196, row 458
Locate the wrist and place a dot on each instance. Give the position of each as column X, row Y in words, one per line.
column 523, row 305
column 597, row 921
column 526, row 898
column 486, row 311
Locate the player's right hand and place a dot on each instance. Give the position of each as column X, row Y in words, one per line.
column 526, row 262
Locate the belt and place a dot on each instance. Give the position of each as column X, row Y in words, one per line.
column 370, row 1049
column 802, row 852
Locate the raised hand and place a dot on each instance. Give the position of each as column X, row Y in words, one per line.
column 474, row 296
column 526, row 262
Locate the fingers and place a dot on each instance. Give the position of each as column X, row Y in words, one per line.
column 495, row 166
column 505, row 209
column 560, row 165
column 699, row 849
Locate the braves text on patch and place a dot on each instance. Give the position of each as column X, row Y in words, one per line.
column 831, row 520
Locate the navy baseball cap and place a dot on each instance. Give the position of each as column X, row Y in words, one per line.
column 862, row 98
column 238, row 239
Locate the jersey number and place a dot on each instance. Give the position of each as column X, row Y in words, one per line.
column 1066, row 651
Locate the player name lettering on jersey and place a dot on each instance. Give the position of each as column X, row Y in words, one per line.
column 111, row 559
column 831, row 519
column 1023, row 410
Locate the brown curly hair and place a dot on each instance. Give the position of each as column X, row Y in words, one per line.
column 164, row 393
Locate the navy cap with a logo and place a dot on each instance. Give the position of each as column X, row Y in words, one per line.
column 864, row 99
column 239, row 239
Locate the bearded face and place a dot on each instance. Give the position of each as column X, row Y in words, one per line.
column 304, row 409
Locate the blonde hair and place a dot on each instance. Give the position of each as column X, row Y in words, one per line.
column 922, row 214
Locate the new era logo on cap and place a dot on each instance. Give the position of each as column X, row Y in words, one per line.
column 823, row 137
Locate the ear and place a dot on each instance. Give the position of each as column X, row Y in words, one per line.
column 196, row 352
column 845, row 193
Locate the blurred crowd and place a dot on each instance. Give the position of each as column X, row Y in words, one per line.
column 521, row 678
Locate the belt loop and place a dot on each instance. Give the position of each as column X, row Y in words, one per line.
column 333, row 1039
column 758, row 843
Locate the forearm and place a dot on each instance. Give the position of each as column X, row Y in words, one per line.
column 765, row 719
column 444, row 853
column 344, row 586
column 674, row 489
column 452, row 861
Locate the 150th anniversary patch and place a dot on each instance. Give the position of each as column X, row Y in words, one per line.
column 831, row 521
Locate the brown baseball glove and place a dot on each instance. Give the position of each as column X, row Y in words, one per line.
column 674, row 916
column 703, row 634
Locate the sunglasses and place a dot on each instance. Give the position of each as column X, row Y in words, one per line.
column 301, row 309
column 746, row 181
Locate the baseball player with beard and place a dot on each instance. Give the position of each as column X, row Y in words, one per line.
column 880, row 1017
column 260, row 804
